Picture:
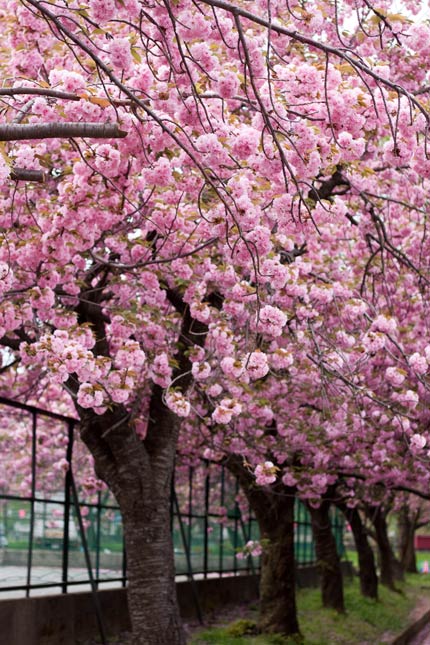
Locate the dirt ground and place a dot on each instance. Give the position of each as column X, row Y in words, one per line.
column 220, row 617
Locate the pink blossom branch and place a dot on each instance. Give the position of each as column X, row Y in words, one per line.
column 395, row 487
column 142, row 103
column 58, row 94
column 355, row 62
column 16, row 132
column 179, row 256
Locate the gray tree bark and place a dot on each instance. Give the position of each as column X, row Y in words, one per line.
column 390, row 568
column 139, row 473
column 327, row 558
column 274, row 509
column 366, row 558
column 407, row 527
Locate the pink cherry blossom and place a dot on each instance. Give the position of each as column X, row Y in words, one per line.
column 256, row 365
column 418, row 363
column 417, row 441
column 271, row 320
column 178, row 404
column 394, row 376
column 265, row 473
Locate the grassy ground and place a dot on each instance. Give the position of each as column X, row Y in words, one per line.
column 366, row 622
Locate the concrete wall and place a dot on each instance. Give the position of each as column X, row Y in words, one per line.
column 64, row 619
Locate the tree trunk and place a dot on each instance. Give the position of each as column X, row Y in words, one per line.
column 278, row 612
column 139, row 474
column 274, row 511
column 407, row 526
column 390, row 568
column 366, row 558
column 151, row 575
column 327, row 557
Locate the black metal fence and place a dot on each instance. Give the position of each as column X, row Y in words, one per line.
column 61, row 530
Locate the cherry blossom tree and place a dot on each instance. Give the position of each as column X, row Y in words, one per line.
column 200, row 195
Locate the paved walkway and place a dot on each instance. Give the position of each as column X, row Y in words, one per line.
column 423, row 638
column 12, row 576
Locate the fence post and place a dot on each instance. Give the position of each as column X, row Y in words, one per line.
column 190, row 503
column 236, row 517
column 221, row 526
column 87, row 560
column 33, row 495
column 66, row 516
column 124, row 562
column 98, row 531
column 206, row 523
column 188, row 558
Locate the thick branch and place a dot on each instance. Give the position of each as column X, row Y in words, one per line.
column 12, row 343
column 288, row 257
column 38, row 91
column 26, row 174
column 15, row 132
column 327, row 189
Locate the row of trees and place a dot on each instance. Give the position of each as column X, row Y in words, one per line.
column 214, row 227
column 367, row 518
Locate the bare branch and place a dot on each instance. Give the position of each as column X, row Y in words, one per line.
column 15, row 132
column 25, row 174
column 422, row 90
column 403, row 489
column 22, row 113
column 38, row 91
column 58, row 94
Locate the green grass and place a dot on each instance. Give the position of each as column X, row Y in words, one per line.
column 221, row 637
column 364, row 622
column 422, row 556
column 352, row 556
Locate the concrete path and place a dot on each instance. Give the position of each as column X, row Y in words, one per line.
column 423, row 638
column 12, row 576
